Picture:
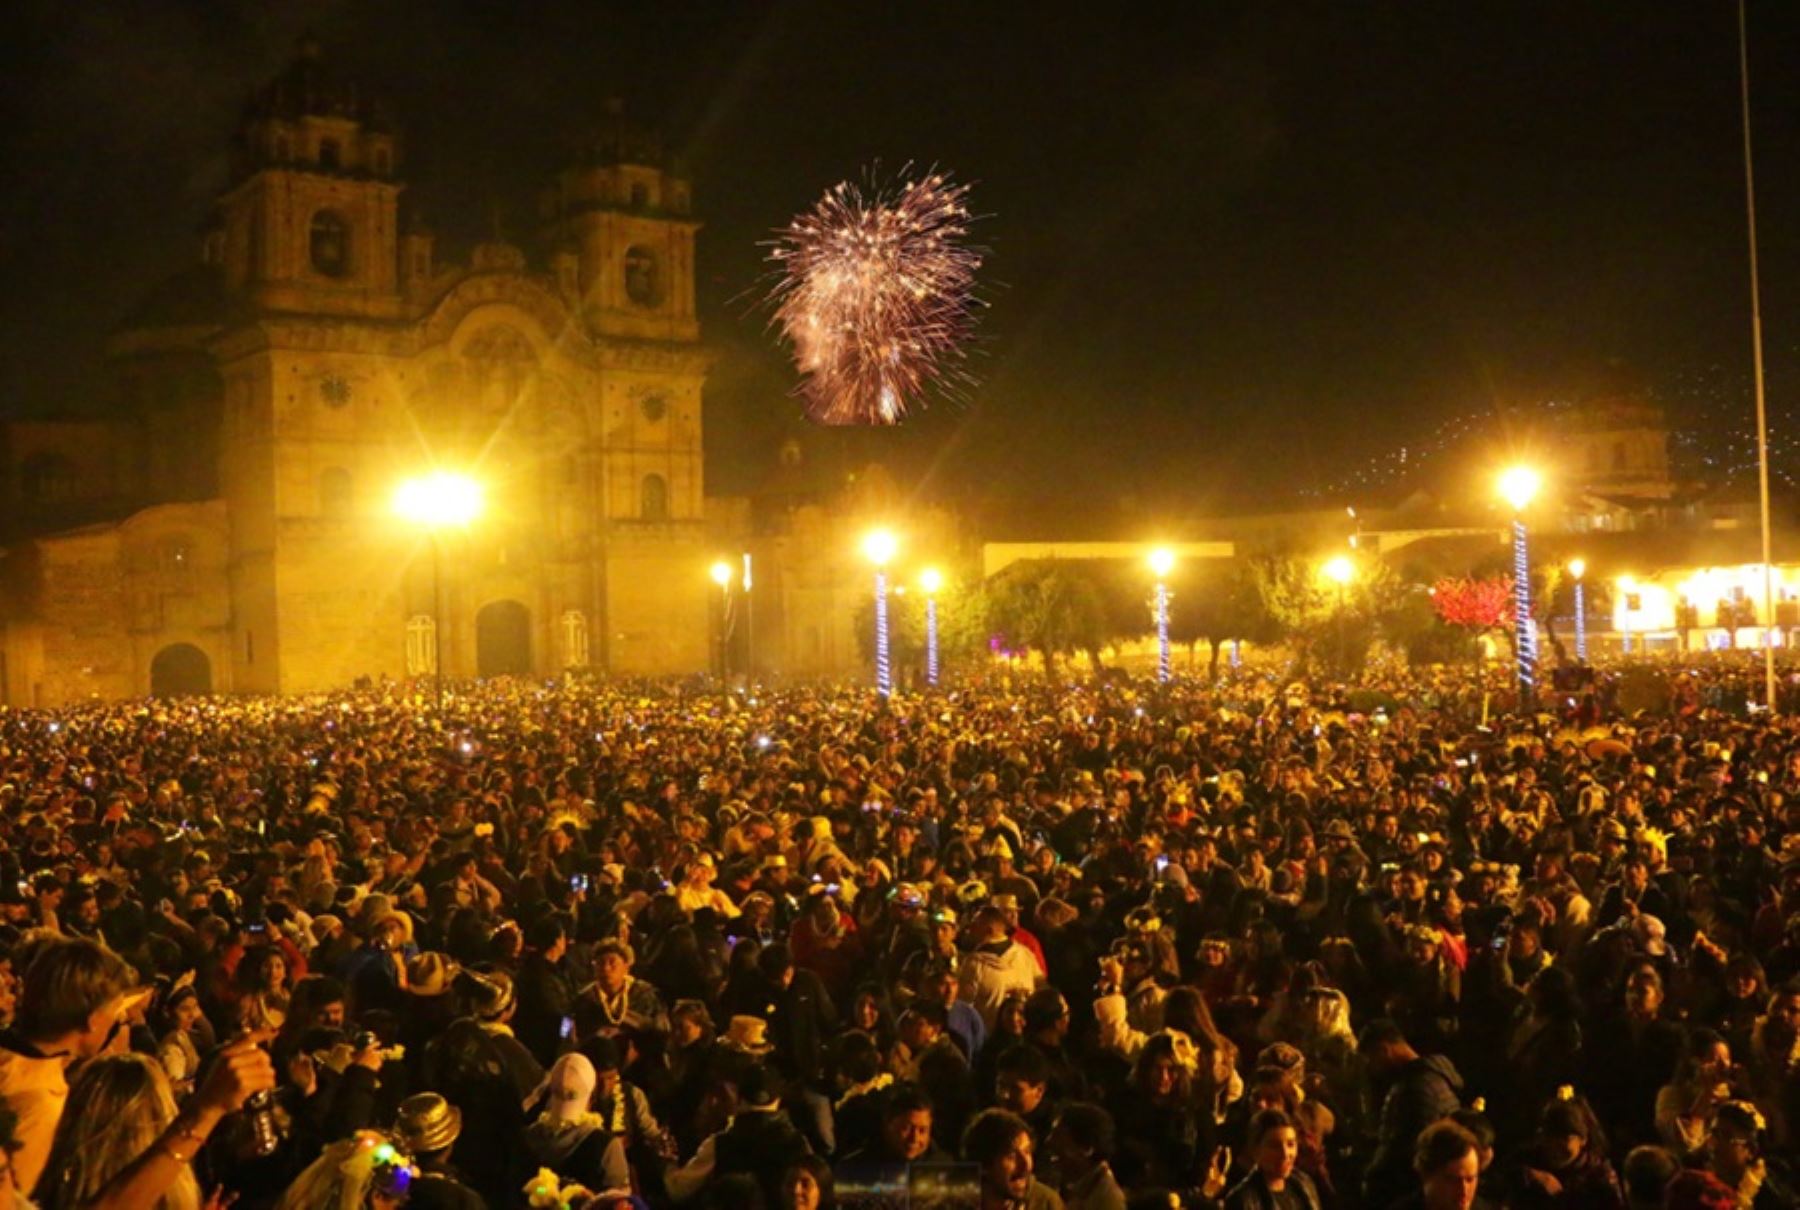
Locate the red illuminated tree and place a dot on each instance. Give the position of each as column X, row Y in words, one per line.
column 1475, row 605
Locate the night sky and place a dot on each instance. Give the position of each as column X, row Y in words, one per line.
column 1234, row 248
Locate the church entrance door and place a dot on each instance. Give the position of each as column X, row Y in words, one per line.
column 503, row 640
column 180, row 670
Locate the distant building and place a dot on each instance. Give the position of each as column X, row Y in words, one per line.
column 227, row 527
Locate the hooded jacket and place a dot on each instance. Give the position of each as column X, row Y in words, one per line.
column 1424, row 1090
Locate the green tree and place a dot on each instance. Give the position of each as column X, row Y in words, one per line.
column 1054, row 609
column 1216, row 604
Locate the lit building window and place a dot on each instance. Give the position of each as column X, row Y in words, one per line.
column 421, row 645
column 574, row 639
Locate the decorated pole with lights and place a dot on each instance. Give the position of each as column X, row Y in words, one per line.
column 1576, row 568
column 1162, row 562
column 931, row 581
column 879, row 547
column 1518, row 485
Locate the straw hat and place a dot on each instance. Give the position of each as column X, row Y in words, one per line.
column 426, row 1122
column 749, row 1035
column 429, row 974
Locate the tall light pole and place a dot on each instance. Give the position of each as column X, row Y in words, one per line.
column 435, row 502
column 1340, row 570
column 1756, row 342
column 1162, row 562
column 721, row 575
column 749, row 627
column 931, row 580
column 1518, row 486
column 1576, row 568
column 1627, row 588
column 879, row 546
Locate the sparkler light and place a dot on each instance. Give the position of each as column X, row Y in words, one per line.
column 876, row 294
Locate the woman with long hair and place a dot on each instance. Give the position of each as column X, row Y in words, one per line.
column 1686, row 1106
column 1163, row 1133
column 175, row 1049
column 118, row 1107
column 263, row 991
column 367, row 1171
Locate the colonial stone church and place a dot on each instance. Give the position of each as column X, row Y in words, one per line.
column 228, row 525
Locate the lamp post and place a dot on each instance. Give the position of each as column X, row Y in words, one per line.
column 931, row 580
column 1340, row 570
column 721, row 575
column 1162, row 562
column 749, row 628
column 1627, row 588
column 878, row 548
column 433, row 502
column 1518, row 485
column 1576, row 568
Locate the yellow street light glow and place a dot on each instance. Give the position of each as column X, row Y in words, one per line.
column 1628, row 583
column 721, row 574
column 1577, row 567
column 879, row 546
column 1518, row 484
column 1339, row 570
column 1162, row 562
column 931, row 580
column 438, row 499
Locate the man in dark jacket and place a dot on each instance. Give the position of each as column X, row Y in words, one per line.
column 760, row 1142
column 546, row 1000
column 905, row 1139
column 1419, row 1090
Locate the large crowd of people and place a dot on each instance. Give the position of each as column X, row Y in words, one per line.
column 1245, row 945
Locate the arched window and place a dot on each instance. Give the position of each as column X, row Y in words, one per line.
column 574, row 639
column 49, row 478
column 329, row 157
column 653, row 498
column 421, row 645
column 641, row 284
column 640, row 195
column 381, row 161
column 281, row 150
column 329, row 244
column 337, row 492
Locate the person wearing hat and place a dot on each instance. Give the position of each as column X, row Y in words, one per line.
column 569, row 1138
column 760, row 1142
column 697, row 890
column 429, row 1126
column 996, row 964
column 493, row 1002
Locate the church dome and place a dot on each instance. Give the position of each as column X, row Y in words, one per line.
column 310, row 87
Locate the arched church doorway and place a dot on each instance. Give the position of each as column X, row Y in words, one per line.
column 503, row 640
column 180, row 670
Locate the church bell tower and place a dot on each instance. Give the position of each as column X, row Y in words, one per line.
column 309, row 222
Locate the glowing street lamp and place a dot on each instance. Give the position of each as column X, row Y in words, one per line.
column 931, row 580
column 1518, row 485
column 434, row 503
column 1162, row 562
column 1577, row 567
column 1340, row 570
column 879, row 547
column 721, row 575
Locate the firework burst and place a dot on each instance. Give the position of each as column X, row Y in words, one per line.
column 875, row 291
